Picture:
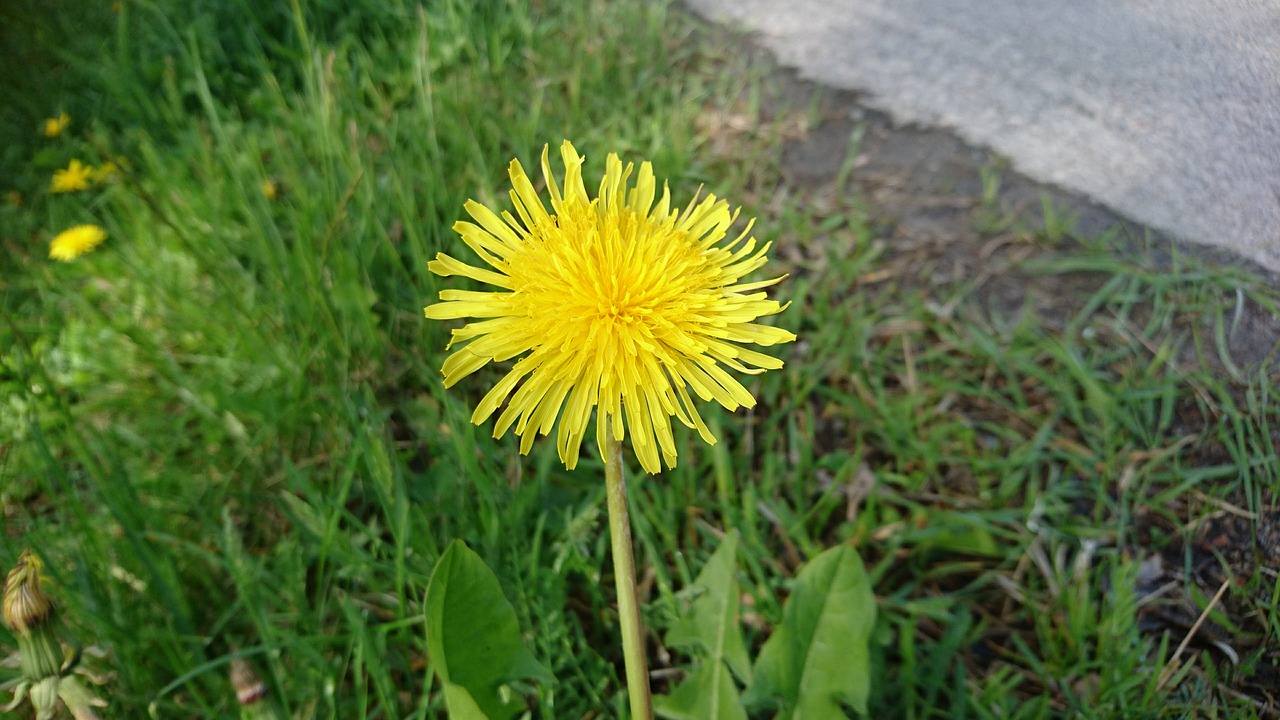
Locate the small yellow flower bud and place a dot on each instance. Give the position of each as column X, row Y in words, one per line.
column 53, row 127
column 105, row 173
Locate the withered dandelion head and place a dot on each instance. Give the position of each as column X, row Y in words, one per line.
column 25, row 602
column 54, row 126
column 75, row 177
column 612, row 302
column 74, row 242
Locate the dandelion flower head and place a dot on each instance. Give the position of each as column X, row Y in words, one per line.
column 614, row 306
column 74, row 242
column 25, row 603
column 75, row 177
column 105, row 173
column 54, row 126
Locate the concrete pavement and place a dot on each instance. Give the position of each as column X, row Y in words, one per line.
column 1167, row 111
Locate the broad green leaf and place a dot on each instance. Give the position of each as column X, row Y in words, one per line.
column 707, row 694
column 474, row 639
column 460, row 704
column 818, row 657
column 710, row 626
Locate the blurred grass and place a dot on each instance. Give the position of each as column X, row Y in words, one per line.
column 225, row 429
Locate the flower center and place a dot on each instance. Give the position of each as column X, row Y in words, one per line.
column 616, row 314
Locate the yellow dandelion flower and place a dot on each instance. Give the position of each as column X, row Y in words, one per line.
column 74, row 242
column 53, row 127
column 610, row 302
column 75, row 177
column 270, row 190
column 105, row 172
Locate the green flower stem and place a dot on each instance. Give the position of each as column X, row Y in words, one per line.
column 624, row 571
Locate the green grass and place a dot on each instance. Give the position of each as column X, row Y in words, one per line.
column 226, row 433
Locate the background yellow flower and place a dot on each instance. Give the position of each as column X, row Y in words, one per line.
column 611, row 302
column 54, row 126
column 74, row 242
column 105, row 172
column 75, row 177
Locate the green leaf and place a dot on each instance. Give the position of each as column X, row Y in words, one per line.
column 710, row 626
column 959, row 533
column 818, row 658
column 474, row 639
column 707, row 694
column 460, row 703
